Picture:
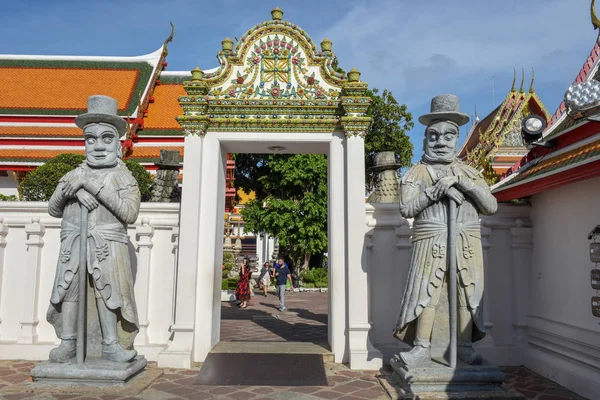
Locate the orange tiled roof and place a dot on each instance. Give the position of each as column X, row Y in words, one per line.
column 64, row 88
column 140, row 154
column 40, row 131
column 152, row 153
column 33, row 155
column 162, row 113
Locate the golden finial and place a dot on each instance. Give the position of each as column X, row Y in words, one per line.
column 353, row 75
column 522, row 80
column 326, row 45
column 512, row 89
column 532, row 79
column 169, row 39
column 277, row 14
column 227, row 45
column 197, row 74
column 595, row 20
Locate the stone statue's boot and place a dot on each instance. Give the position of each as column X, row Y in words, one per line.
column 111, row 348
column 66, row 350
column 465, row 351
column 114, row 352
column 68, row 345
column 417, row 355
column 466, row 354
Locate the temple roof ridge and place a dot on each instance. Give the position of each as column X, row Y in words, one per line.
column 152, row 58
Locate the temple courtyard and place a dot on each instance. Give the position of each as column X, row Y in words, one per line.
column 258, row 327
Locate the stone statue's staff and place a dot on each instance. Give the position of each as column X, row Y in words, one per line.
column 452, row 279
column 81, row 320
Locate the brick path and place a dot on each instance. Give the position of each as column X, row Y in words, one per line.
column 303, row 320
column 306, row 320
column 178, row 384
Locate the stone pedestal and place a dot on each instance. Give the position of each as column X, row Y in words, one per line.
column 435, row 380
column 94, row 372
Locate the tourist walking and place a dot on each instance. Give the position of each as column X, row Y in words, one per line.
column 265, row 277
column 282, row 275
column 242, row 290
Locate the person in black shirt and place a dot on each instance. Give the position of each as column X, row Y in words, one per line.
column 282, row 275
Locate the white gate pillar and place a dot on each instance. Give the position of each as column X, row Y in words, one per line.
column 210, row 247
column 178, row 353
column 336, row 322
column 362, row 353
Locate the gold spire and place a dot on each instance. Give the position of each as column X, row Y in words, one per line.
column 522, row 80
column 532, row 79
column 512, row 89
column 595, row 20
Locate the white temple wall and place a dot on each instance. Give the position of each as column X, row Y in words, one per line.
column 29, row 247
column 537, row 301
column 564, row 336
column 8, row 185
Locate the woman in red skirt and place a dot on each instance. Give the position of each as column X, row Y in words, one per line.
column 242, row 290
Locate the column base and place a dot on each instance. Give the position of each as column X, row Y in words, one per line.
column 94, row 372
column 434, row 380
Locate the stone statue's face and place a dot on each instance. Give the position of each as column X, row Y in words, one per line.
column 441, row 141
column 102, row 146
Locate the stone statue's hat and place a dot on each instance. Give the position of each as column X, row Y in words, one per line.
column 384, row 160
column 445, row 108
column 102, row 109
column 169, row 159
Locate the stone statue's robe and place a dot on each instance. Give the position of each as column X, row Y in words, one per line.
column 428, row 264
column 108, row 260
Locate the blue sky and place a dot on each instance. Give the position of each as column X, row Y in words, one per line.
column 416, row 49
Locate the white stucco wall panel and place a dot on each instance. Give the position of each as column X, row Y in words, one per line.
column 564, row 336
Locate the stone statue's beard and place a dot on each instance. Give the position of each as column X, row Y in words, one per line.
column 102, row 163
column 438, row 159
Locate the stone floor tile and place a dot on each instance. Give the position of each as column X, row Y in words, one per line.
column 224, row 390
column 328, row 394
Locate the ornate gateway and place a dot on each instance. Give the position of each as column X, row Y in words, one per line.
column 275, row 80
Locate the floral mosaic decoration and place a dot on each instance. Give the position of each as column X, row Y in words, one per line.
column 275, row 68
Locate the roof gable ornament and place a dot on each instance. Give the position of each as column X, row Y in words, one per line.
column 274, row 78
column 595, row 20
column 512, row 89
column 522, row 80
column 169, row 39
column 532, row 79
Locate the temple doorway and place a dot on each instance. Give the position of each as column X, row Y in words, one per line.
column 273, row 91
column 305, row 316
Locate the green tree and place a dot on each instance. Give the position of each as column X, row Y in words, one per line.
column 291, row 202
column 40, row 183
column 388, row 130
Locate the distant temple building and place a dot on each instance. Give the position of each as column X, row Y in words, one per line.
column 494, row 143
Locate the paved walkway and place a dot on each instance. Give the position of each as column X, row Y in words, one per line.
column 303, row 320
column 178, row 384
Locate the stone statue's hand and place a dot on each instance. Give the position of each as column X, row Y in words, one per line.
column 72, row 187
column 455, row 194
column 87, row 199
column 443, row 185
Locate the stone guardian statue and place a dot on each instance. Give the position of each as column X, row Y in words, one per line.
column 425, row 193
column 103, row 191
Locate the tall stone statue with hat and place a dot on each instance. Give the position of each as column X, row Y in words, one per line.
column 445, row 197
column 96, row 201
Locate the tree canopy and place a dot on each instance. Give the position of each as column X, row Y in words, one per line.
column 388, row 130
column 291, row 201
